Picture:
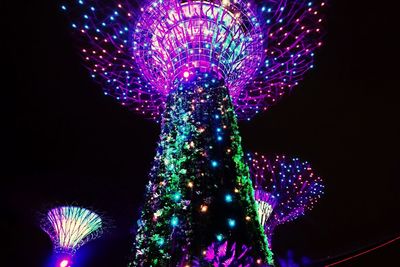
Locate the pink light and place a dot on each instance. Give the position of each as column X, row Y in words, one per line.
column 254, row 83
column 64, row 263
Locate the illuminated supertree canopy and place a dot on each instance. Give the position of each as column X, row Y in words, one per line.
column 285, row 188
column 140, row 52
column 70, row 227
column 196, row 67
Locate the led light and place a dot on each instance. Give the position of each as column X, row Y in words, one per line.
column 177, row 196
column 203, row 208
column 160, row 57
column 69, row 227
column 160, row 241
column 220, row 237
column 64, row 263
column 228, row 198
column 231, row 223
column 174, row 221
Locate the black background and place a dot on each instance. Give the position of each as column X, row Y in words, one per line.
column 68, row 143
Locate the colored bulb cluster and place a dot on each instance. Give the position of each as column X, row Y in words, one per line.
column 260, row 50
column 284, row 188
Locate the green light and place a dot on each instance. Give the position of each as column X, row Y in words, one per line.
column 73, row 225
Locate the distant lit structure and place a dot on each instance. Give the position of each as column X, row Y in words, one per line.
column 70, row 227
column 285, row 188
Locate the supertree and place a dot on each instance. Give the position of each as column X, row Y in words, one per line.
column 196, row 67
column 285, row 188
column 70, row 227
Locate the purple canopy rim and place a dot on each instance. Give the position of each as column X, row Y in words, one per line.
column 140, row 51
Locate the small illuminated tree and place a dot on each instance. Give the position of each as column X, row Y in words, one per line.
column 70, row 227
column 285, row 188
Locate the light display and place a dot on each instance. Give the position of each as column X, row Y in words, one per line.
column 197, row 67
column 284, row 188
column 69, row 228
column 139, row 52
column 199, row 191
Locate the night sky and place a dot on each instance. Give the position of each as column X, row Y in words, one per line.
column 68, row 143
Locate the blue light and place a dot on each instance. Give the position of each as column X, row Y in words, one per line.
column 228, row 198
column 174, row 221
column 63, row 7
column 220, row 237
column 217, row 116
column 81, row 2
column 214, row 163
column 160, row 241
column 309, row 3
column 219, row 138
column 218, row 130
column 177, row 196
column 231, row 223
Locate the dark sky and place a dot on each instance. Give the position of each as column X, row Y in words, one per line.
column 69, row 143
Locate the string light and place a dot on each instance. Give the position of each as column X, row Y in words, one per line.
column 195, row 69
column 254, row 84
column 220, row 237
column 284, row 188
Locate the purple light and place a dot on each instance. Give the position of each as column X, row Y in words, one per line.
column 260, row 50
column 284, row 188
